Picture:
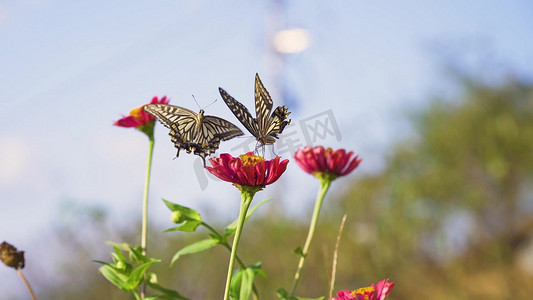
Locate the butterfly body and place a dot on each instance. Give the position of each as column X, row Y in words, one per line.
column 266, row 126
column 193, row 132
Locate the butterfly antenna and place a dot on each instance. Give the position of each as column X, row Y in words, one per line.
column 210, row 104
column 199, row 104
column 196, row 102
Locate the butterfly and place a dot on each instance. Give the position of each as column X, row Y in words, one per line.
column 192, row 131
column 265, row 127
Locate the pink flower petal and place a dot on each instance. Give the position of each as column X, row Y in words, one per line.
column 260, row 170
column 344, row 295
column 128, row 121
column 280, row 169
column 301, row 160
column 138, row 117
column 353, row 164
column 383, row 288
column 319, row 157
column 344, row 159
column 271, row 168
column 319, row 160
column 256, row 172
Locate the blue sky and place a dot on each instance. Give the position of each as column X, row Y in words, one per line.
column 68, row 69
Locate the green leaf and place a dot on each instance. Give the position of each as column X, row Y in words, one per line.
column 122, row 273
column 191, row 218
column 122, row 246
column 194, row 248
column 247, row 283
column 188, row 213
column 114, row 276
column 299, row 251
column 167, row 293
column 119, row 260
column 119, row 271
column 258, row 269
column 137, row 257
column 137, row 295
column 282, row 294
column 118, row 255
column 137, row 276
column 189, row 226
column 241, row 284
column 230, row 229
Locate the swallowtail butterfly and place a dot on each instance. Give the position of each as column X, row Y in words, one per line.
column 265, row 127
column 192, row 131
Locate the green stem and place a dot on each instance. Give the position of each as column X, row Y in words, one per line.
column 227, row 246
column 144, row 228
column 325, row 183
column 224, row 243
column 245, row 204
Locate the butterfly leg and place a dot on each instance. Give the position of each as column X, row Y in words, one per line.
column 273, row 151
column 259, row 146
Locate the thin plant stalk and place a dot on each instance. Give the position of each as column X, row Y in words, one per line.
column 324, row 186
column 245, row 204
column 144, row 226
column 335, row 254
column 27, row 283
column 228, row 246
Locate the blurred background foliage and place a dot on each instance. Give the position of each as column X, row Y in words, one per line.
column 448, row 217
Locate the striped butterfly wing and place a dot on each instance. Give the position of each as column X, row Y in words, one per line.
column 241, row 113
column 212, row 131
column 182, row 123
column 219, row 128
column 277, row 121
column 263, row 106
column 269, row 125
column 193, row 132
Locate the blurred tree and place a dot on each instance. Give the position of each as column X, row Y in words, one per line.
column 451, row 214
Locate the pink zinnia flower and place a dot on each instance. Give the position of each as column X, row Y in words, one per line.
column 372, row 292
column 247, row 170
column 318, row 161
column 139, row 119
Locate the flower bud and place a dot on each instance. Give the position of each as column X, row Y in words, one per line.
column 121, row 265
column 177, row 217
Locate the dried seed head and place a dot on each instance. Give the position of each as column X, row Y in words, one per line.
column 10, row 256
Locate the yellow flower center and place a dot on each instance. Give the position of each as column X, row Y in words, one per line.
column 365, row 291
column 250, row 159
column 328, row 152
column 136, row 113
